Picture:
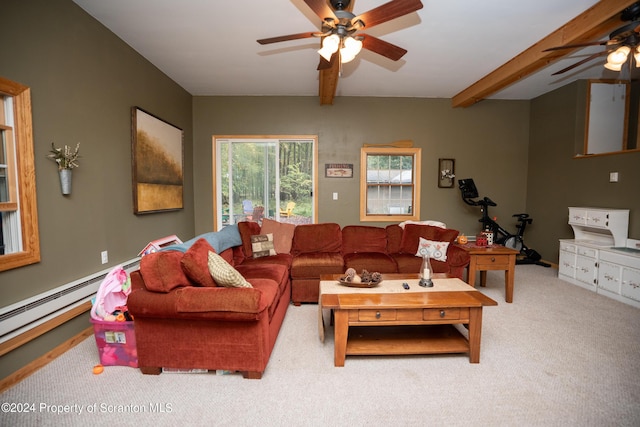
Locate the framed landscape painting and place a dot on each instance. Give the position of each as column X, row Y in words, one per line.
column 158, row 164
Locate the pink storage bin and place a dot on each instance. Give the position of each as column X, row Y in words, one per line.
column 116, row 343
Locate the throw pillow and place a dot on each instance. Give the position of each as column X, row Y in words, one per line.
column 412, row 233
column 435, row 250
column 161, row 271
column 224, row 274
column 262, row 245
column 282, row 234
column 195, row 263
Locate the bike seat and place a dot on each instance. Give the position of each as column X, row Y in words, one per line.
column 521, row 216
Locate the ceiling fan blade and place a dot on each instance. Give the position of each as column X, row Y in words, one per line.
column 321, row 8
column 286, row 38
column 388, row 11
column 584, row 61
column 571, row 46
column 382, row 47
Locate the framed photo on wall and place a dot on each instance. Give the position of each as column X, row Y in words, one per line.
column 338, row 170
column 158, row 164
column 446, row 172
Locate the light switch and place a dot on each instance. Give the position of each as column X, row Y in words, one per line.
column 335, row 196
column 613, row 177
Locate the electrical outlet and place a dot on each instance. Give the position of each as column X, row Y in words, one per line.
column 105, row 257
column 613, row 177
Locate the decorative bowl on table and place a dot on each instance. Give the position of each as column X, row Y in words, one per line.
column 364, row 280
column 359, row 284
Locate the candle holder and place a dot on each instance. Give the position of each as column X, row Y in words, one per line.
column 426, row 272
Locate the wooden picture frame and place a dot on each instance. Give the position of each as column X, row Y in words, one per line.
column 157, row 163
column 446, row 173
column 338, row 170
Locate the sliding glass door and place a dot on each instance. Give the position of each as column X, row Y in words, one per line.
column 264, row 177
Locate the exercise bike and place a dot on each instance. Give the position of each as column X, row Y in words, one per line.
column 501, row 236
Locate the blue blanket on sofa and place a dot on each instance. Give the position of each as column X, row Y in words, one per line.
column 226, row 238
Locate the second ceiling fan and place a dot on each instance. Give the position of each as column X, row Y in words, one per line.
column 342, row 39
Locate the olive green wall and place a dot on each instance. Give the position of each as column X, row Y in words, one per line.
column 84, row 81
column 489, row 142
column 557, row 180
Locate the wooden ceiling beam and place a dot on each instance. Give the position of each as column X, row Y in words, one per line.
column 597, row 21
column 329, row 83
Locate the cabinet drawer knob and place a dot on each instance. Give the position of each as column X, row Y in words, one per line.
column 442, row 313
column 493, row 259
column 378, row 314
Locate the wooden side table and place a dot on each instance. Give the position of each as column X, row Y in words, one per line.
column 494, row 257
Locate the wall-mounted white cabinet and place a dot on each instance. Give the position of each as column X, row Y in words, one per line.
column 597, row 259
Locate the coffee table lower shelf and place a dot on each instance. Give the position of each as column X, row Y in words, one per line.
column 399, row 340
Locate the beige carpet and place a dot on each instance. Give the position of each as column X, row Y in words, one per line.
column 559, row 355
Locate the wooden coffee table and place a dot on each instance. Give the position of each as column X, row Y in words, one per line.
column 388, row 319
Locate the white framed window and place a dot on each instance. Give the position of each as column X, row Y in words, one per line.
column 389, row 184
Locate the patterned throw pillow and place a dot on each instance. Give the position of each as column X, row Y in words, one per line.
column 262, row 245
column 224, row 274
column 436, row 250
column 282, row 234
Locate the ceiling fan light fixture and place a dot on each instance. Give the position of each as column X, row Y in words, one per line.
column 350, row 49
column 619, row 56
column 613, row 67
column 330, row 45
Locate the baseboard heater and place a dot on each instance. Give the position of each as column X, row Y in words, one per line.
column 24, row 315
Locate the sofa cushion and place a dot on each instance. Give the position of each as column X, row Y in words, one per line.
column 224, row 274
column 394, row 238
column 198, row 300
column 362, row 238
column 317, row 238
column 312, row 265
column 435, row 250
column 409, row 263
column 277, row 273
column 279, row 259
column 195, row 263
column 282, row 234
column 162, row 272
column 370, row 261
column 270, row 293
column 262, row 245
column 412, row 233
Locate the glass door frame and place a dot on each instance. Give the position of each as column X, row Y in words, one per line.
column 216, row 167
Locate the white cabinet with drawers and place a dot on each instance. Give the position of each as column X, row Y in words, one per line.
column 578, row 264
column 597, row 258
column 619, row 276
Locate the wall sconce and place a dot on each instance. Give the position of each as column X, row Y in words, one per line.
column 446, row 172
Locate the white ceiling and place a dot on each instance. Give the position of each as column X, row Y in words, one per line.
column 209, row 46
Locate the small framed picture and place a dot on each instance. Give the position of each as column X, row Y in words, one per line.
column 446, row 172
column 338, row 170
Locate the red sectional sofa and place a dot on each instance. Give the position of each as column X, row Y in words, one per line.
column 327, row 249
column 185, row 319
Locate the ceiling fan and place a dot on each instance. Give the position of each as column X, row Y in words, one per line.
column 622, row 41
column 341, row 36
